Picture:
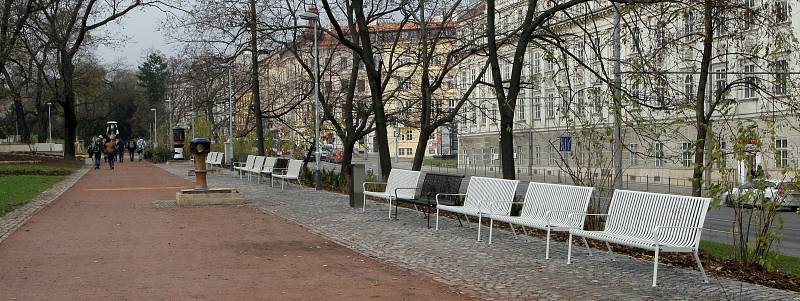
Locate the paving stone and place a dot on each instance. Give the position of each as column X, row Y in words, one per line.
column 509, row 269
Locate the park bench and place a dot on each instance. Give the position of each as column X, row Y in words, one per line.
column 210, row 159
column 269, row 163
column 239, row 167
column 433, row 184
column 484, row 196
column 280, row 164
column 218, row 160
column 398, row 178
column 291, row 172
column 257, row 166
column 651, row 221
column 549, row 207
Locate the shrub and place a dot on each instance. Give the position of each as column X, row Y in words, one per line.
column 159, row 154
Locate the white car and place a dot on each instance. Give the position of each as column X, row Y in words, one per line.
column 777, row 190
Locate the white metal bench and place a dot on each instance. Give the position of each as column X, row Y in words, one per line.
column 257, row 166
column 292, row 172
column 652, row 221
column 549, row 207
column 269, row 162
column 210, row 159
column 485, row 196
column 406, row 180
column 218, row 160
column 237, row 166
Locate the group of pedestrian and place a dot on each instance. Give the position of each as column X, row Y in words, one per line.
column 114, row 150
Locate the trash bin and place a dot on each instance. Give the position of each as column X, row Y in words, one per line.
column 357, row 185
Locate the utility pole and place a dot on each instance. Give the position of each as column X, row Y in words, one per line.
column 617, row 147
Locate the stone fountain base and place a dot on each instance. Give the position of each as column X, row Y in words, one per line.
column 212, row 196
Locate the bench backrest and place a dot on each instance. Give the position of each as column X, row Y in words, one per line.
column 481, row 191
column 218, row 159
column 281, row 164
column 269, row 164
column 251, row 159
column 542, row 197
column 402, row 178
column 636, row 214
column 293, row 170
column 435, row 183
column 210, row 157
column 259, row 163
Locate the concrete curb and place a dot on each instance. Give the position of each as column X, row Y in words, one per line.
column 15, row 219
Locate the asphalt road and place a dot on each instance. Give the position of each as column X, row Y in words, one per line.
column 718, row 225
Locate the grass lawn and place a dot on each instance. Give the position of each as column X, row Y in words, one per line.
column 34, row 169
column 451, row 163
column 787, row 264
column 18, row 190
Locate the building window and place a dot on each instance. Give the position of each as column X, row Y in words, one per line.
column 537, row 108
column 405, row 152
column 722, row 162
column 688, row 153
column 362, row 85
column 636, row 39
column 659, row 154
column 538, row 155
column 409, row 135
column 634, row 153
column 688, row 85
column 688, row 25
column 782, row 11
column 537, row 59
column 781, row 153
column 720, row 28
column 781, row 77
column 750, row 81
column 550, row 106
column 521, row 108
column 720, row 80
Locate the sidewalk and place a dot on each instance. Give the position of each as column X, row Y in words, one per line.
column 107, row 238
column 506, row 270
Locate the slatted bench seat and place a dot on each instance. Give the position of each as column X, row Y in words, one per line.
column 433, row 184
column 210, row 159
column 291, row 172
column 484, row 196
column 257, row 166
column 266, row 168
column 218, row 160
column 398, row 178
column 549, row 207
column 281, row 164
column 240, row 168
column 652, row 221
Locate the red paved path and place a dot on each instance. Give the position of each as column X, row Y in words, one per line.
column 116, row 245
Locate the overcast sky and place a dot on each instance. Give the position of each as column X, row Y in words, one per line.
column 143, row 32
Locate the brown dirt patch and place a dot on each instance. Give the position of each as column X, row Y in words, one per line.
column 48, row 160
column 101, row 245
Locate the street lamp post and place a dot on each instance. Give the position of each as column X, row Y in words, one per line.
column 49, row 124
column 155, row 127
column 315, row 18
column 229, row 143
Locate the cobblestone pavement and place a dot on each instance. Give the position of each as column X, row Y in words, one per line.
column 16, row 218
column 508, row 269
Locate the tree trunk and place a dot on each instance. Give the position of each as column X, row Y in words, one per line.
column 255, row 88
column 70, row 117
column 422, row 145
column 19, row 112
column 346, row 170
column 701, row 122
column 507, row 144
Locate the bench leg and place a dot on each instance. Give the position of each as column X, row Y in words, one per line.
column 525, row 230
column 259, row 178
column 491, row 223
column 271, row 181
column 390, row 208
column 437, row 218
column 547, row 248
column 364, row 204
column 655, row 267
column 610, row 252
column 569, row 249
column 479, row 226
column 700, row 266
column 513, row 230
column 586, row 243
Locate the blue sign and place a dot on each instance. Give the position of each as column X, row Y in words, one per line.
column 566, row 144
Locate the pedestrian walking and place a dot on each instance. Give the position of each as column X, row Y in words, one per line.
column 131, row 148
column 110, row 153
column 120, row 149
column 96, row 151
column 140, row 145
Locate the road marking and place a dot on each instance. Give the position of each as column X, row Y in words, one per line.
column 136, row 188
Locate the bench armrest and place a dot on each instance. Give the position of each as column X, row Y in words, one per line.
column 569, row 217
column 405, row 188
column 447, row 194
column 656, row 230
column 364, row 185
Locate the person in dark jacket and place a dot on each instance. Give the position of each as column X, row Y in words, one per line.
column 131, row 148
column 120, row 148
column 96, row 151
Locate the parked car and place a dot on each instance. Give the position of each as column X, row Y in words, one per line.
column 337, row 156
column 776, row 190
column 323, row 156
